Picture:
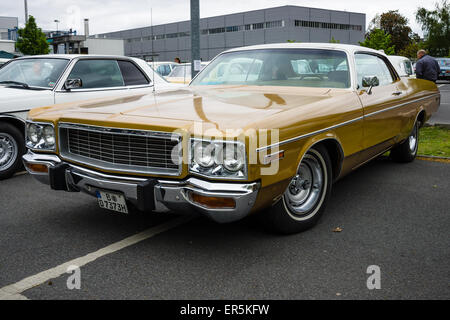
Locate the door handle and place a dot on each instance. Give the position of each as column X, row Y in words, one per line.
column 397, row 93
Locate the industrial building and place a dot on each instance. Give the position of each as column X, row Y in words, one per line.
column 8, row 28
column 8, row 36
column 273, row 25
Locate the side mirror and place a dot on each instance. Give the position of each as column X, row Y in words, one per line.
column 73, row 84
column 370, row 82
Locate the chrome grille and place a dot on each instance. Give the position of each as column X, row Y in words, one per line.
column 121, row 149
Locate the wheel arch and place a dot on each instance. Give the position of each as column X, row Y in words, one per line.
column 17, row 122
column 421, row 116
column 334, row 149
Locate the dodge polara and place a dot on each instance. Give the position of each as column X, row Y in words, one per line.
column 261, row 129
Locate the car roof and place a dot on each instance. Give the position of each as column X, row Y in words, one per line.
column 72, row 56
column 311, row 45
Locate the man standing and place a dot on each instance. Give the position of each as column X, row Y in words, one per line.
column 426, row 67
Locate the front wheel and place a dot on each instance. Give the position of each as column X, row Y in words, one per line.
column 304, row 201
column 407, row 150
column 11, row 150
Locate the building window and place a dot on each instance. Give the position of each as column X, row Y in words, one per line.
column 256, row 26
column 326, row 25
column 172, row 35
column 234, row 29
column 216, row 30
column 274, row 24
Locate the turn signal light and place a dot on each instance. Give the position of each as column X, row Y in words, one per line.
column 213, row 202
column 39, row 168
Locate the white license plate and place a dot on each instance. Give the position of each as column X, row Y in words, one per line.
column 112, row 201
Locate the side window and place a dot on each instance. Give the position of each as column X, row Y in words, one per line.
column 371, row 65
column 132, row 76
column 97, row 74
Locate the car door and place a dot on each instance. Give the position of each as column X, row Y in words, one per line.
column 104, row 78
column 382, row 122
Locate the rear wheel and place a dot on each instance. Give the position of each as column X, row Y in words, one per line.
column 304, row 201
column 407, row 150
column 11, row 150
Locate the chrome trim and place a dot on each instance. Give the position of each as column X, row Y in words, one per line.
column 342, row 124
column 309, row 134
column 44, row 159
column 277, row 156
column 168, row 194
column 122, row 131
column 190, row 147
column 42, row 124
column 399, row 105
column 65, row 154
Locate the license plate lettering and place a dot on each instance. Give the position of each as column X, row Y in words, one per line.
column 112, row 201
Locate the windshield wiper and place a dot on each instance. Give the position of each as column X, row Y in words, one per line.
column 17, row 83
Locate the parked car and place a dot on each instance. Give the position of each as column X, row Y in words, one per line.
column 3, row 61
column 163, row 68
column 444, row 64
column 403, row 66
column 37, row 81
column 232, row 144
column 182, row 73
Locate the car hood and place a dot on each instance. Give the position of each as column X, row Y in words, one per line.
column 219, row 108
column 15, row 98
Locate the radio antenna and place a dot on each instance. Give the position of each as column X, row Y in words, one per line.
column 153, row 54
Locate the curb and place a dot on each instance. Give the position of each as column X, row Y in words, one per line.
column 442, row 125
column 434, row 158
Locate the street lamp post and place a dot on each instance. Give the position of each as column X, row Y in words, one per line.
column 195, row 35
column 26, row 11
column 56, row 21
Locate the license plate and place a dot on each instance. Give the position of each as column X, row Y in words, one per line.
column 112, row 201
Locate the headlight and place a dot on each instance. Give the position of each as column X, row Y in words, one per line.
column 40, row 136
column 218, row 159
column 204, row 154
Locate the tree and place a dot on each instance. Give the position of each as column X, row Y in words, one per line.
column 396, row 25
column 333, row 40
column 32, row 40
column 410, row 51
column 379, row 40
column 436, row 28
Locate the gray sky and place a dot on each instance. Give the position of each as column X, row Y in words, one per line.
column 113, row 15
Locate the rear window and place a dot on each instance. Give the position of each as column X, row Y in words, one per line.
column 132, row 76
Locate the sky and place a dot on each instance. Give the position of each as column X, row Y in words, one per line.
column 114, row 15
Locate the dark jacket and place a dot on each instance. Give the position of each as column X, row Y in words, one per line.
column 427, row 68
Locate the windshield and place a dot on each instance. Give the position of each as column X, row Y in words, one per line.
column 42, row 73
column 183, row 71
column 279, row 67
column 444, row 62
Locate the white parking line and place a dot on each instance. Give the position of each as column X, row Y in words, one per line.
column 13, row 291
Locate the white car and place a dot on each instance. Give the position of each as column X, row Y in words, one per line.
column 402, row 65
column 163, row 68
column 182, row 73
column 38, row 81
column 3, row 61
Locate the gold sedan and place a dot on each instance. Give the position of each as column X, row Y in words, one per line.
column 261, row 129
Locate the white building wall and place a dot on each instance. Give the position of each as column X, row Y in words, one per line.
column 105, row 46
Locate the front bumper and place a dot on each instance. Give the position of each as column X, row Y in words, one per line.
column 147, row 194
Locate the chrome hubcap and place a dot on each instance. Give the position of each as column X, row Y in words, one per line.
column 413, row 140
column 8, row 151
column 306, row 187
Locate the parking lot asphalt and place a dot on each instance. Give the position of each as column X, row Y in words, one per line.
column 442, row 117
column 395, row 216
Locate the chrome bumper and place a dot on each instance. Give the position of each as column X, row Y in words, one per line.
column 158, row 195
